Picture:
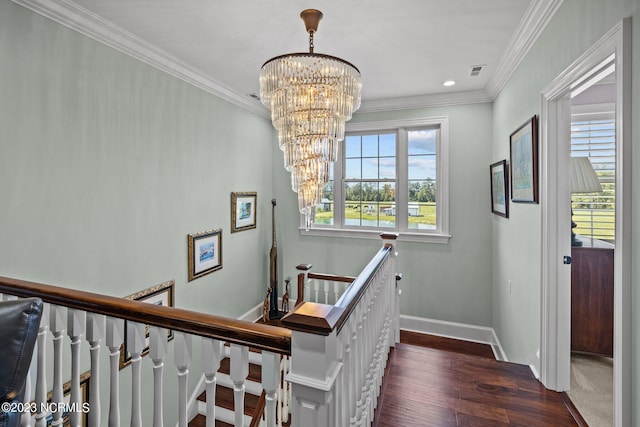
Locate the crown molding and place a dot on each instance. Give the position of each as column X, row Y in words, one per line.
column 71, row 15
column 536, row 18
column 424, row 101
column 75, row 17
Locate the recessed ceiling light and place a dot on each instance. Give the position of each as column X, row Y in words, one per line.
column 449, row 83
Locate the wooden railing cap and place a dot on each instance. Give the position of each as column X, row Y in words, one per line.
column 322, row 319
column 389, row 236
column 264, row 337
column 316, row 318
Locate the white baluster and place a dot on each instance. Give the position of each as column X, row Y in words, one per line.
column 239, row 372
column 113, row 339
column 377, row 311
column 307, row 289
column 364, row 373
column 358, row 376
column 338, row 392
column 347, row 381
column 371, row 343
column 41, row 379
column 135, row 346
column 270, row 382
column 57, row 325
column 157, row 353
column 75, row 331
column 182, row 356
column 281, row 394
column 316, row 290
column 287, row 388
column 325, row 286
column 336, row 291
column 284, row 391
column 95, row 333
column 371, row 329
column 211, row 356
column 25, row 420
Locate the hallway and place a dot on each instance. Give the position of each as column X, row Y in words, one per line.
column 456, row 383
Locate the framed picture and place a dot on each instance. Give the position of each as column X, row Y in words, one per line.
column 524, row 162
column 162, row 294
column 85, row 378
column 243, row 211
column 205, row 253
column 499, row 189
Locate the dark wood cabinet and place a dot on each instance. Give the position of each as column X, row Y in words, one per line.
column 592, row 297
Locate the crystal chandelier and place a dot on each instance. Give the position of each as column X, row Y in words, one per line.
column 310, row 96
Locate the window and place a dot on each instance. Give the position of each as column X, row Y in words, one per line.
column 593, row 136
column 391, row 176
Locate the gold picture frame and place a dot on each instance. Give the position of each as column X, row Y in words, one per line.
column 243, row 211
column 204, row 252
column 162, row 294
column 85, row 388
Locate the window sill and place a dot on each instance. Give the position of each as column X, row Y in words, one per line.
column 405, row 236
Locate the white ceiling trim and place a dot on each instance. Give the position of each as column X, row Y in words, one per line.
column 77, row 18
column 71, row 15
column 423, row 101
column 533, row 23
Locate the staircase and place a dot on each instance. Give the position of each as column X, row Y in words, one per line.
column 340, row 350
column 253, row 404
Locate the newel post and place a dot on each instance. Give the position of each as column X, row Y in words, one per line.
column 314, row 363
column 303, row 270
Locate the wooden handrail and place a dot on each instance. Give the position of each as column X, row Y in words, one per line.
column 261, row 336
column 354, row 293
column 331, row 277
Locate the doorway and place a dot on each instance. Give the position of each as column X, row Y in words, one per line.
column 555, row 340
column 593, row 181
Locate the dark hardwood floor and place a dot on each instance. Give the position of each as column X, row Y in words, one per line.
column 433, row 381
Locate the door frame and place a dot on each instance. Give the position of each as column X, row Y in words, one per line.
column 555, row 328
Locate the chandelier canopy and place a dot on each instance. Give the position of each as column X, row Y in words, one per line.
column 310, row 96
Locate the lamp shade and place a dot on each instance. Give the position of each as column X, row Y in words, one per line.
column 583, row 176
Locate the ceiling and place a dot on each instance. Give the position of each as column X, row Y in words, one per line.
column 405, row 50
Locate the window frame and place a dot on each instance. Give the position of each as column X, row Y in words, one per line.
column 401, row 128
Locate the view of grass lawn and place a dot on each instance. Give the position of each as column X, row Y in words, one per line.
column 372, row 212
column 602, row 222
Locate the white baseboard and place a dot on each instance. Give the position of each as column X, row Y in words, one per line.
column 534, row 363
column 460, row 331
column 255, row 313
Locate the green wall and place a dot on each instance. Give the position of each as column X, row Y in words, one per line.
column 450, row 282
column 106, row 164
column 577, row 25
